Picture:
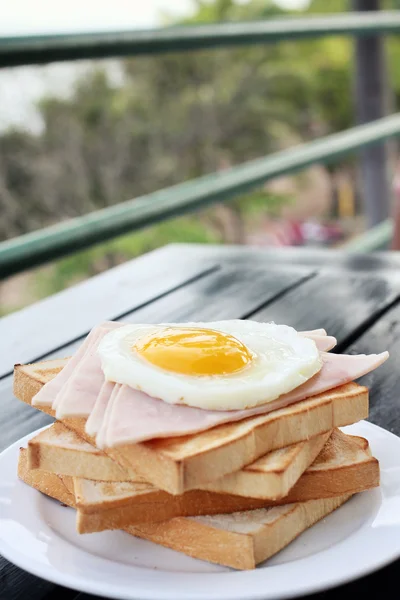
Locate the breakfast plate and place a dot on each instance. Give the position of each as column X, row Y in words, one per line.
column 38, row 535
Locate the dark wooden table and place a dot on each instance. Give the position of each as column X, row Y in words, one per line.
column 356, row 298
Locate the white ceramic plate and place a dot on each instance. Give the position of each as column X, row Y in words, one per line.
column 38, row 535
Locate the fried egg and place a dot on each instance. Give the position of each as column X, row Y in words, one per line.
column 223, row 365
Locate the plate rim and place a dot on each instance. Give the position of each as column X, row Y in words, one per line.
column 88, row 585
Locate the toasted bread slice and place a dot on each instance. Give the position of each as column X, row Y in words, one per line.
column 330, row 474
column 240, row 540
column 47, row 483
column 60, row 450
column 184, row 463
column 345, row 466
column 274, row 474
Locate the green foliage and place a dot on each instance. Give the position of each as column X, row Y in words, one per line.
column 329, row 6
column 229, row 10
column 260, row 202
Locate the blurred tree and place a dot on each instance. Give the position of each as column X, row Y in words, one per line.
column 175, row 117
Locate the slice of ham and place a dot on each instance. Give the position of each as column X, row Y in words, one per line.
column 78, row 396
column 95, row 420
column 81, row 384
column 50, row 393
column 75, row 392
column 101, row 436
column 324, row 343
column 135, row 417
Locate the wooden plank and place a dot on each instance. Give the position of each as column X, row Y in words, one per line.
column 16, row 584
column 385, row 580
column 57, row 320
column 39, row 49
column 384, row 383
column 335, row 261
column 344, row 305
column 230, row 293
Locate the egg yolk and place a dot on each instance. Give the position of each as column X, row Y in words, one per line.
column 194, row 351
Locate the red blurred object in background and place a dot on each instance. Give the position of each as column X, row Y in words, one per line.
column 396, row 193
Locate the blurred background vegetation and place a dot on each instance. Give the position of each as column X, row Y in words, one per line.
column 166, row 119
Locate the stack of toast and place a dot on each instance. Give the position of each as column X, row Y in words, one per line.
column 234, row 495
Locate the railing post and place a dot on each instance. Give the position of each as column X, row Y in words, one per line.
column 396, row 210
column 370, row 104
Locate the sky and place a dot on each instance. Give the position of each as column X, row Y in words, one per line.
column 21, row 87
column 45, row 16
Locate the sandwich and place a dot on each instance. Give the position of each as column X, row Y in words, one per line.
column 187, row 433
column 328, row 465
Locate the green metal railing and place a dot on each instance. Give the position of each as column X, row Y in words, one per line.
column 56, row 241
column 47, row 48
column 377, row 238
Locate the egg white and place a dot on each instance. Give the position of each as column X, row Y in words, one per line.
column 283, row 360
